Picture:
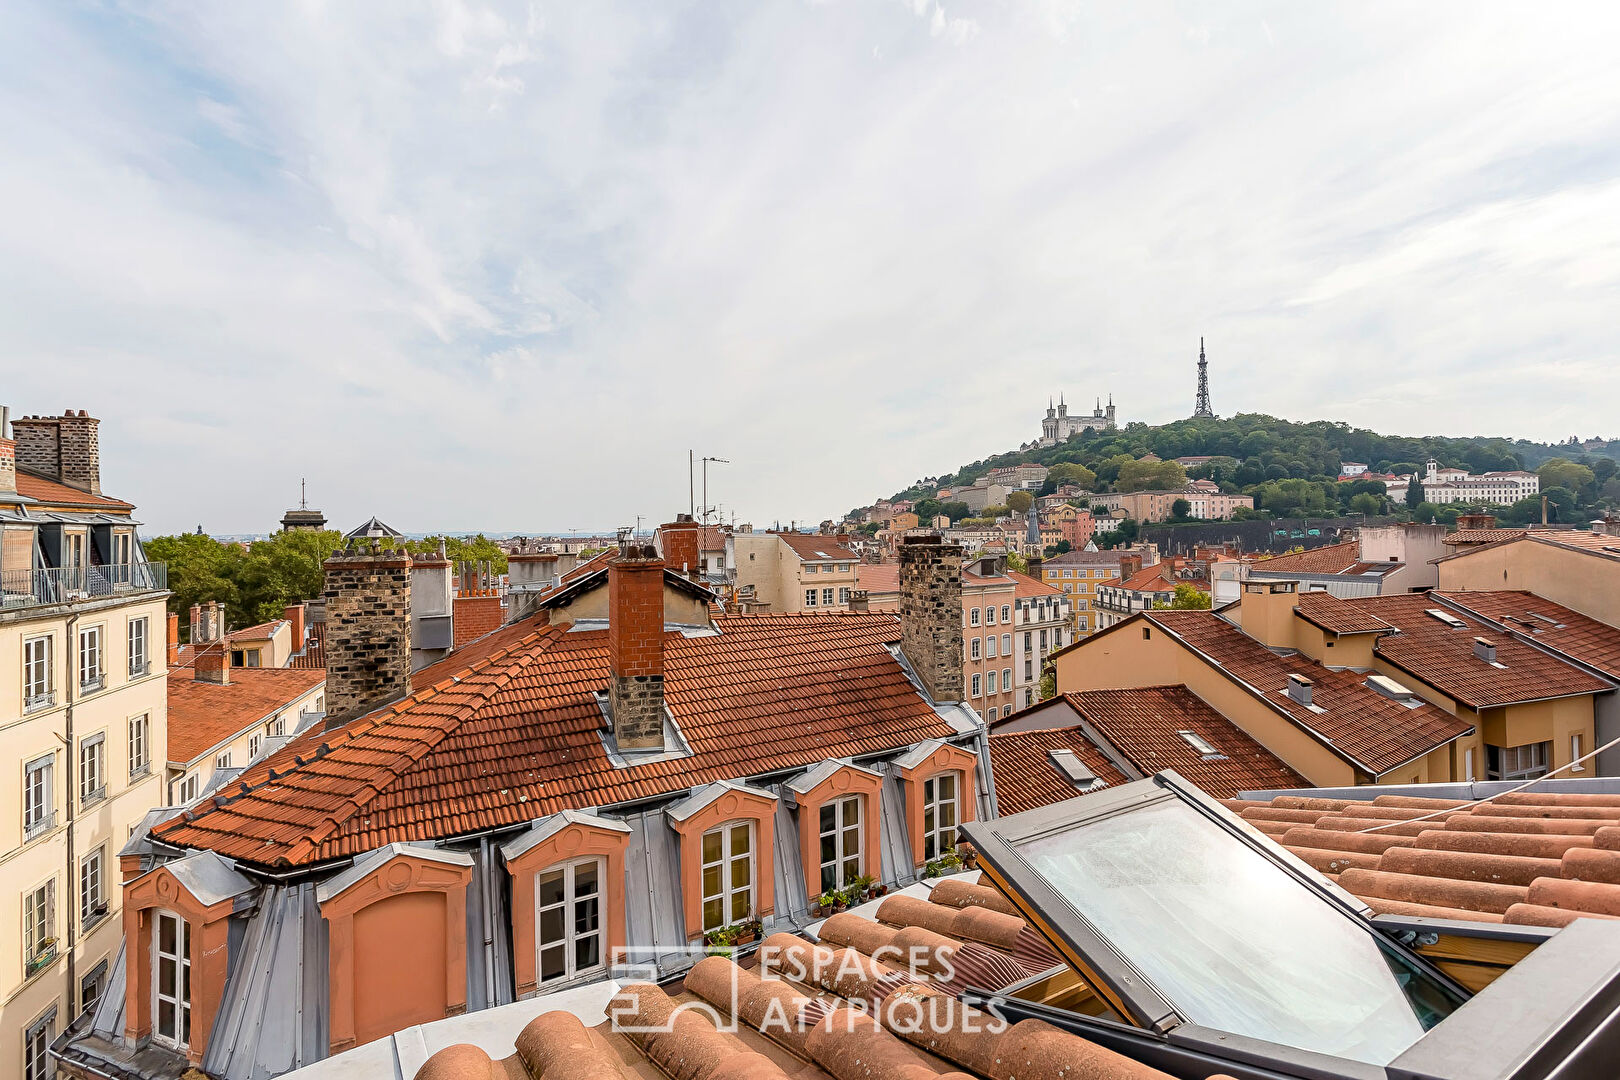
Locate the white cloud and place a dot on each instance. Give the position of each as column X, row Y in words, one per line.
column 500, row 265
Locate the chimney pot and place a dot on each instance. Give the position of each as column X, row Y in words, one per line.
column 1299, row 688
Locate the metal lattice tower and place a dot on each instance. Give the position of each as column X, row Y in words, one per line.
column 1202, row 408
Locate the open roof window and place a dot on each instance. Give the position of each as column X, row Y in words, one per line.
column 1448, row 618
column 1178, row 916
column 1075, row 771
column 1200, row 744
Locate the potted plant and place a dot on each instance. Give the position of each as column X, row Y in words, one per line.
column 828, row 903
column 748, row 932
column 720, row 941
column 861, row 887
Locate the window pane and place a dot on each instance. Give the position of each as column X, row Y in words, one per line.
column 711, row 847
column 852, row 842
column 166, row 934
column 741, row 905
column 827, row 816
column 552, row 962
column 712, row 916
column 587, row 952
column 551, row 924
column 711, row 880
column 585, row 915
column 851, row 811
column 166, row 976
column 829, row 847
column 1178, row 897
column 829, row 877
column 739, row 872
column 947, row 786
column 585, row 880
column 165, row 1022
column 551, row 888
column 739, row 839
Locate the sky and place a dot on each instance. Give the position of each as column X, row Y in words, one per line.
column 501, row 266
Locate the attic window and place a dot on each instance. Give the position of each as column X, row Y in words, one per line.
column 1547, row 619
column 1200, row 744
column 1075, row 771
column 1448, row 618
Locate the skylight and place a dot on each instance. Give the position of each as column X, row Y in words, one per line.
column 1199, row 743
column 1076, row 771
column 1448, row 618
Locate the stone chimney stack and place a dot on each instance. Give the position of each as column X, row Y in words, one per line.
column 931, row 613
column 528, row 573
column 636, row 647
column 1130, row 566
column 679, row 541
column 65, row 448
column 8, row 454
column 859, row 601
column 368, row 630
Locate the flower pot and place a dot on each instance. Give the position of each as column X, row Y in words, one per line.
column 746, row 939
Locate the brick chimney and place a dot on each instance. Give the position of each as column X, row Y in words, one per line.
column 294, row 614
column 636, row 647
column 931, row 613
column 64, row 448
column 8, row 454
column 212, row 664
column 368, row 630
column 1130, row 565
column 678, row 540
column 174, row 638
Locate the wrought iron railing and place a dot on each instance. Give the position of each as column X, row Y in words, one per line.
column 31, row 588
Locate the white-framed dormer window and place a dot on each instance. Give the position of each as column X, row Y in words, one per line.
column 92, row 768
column 123, row 548
column 39, row 806
column 139, row 661
column 185, row 789
column 90, row 659
column 839, row 828
column 728, row 874
column 39, row 677
column 940, row 814
column 568, row 933
column 223, row 761
column 140, row 744
column 171, row 980
column 254, row 742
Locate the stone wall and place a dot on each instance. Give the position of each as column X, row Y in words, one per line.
column 368, row 631
column 931, row 614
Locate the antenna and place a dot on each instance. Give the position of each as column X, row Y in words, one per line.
column 1202, row 407
column 303, row 497
column 706, row 460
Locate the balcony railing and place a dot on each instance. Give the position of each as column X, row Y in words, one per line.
column 32, row 588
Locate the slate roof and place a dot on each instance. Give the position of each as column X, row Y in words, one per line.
column 507, row 730
column 1443, row 656
column 1542, row 859
column 1375, row 732
column 1021, row 763
column 204, row 714
column 1330, row 559
column 1557, row 627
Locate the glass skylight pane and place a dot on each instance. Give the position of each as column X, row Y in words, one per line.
column 1231, row 939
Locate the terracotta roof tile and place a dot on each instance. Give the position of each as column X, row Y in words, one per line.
column 1331, row 614
column 1374, row 731
column 1331, row 559
column 1483, row 536
column 1028, row 586
column 204, row 714
column 507, row 730
column 313, row 654
column 1025, row 776
column 1551, row 625
column 53, row 493
column 1442, row 655
column 813, row 548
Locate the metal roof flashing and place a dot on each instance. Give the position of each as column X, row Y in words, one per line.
column 371, row 860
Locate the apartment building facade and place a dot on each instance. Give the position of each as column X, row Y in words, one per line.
column 1078, row 574
column 82, row 725
column 790, row 571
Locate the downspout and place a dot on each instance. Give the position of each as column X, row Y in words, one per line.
column 489, row 922
column 71, row 773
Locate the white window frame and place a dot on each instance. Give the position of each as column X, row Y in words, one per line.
column 1575, row 753
column 37, row 1039
column 92, row 662
column 990, row 615
column 39, row 796
column 39, row 928
column 990, row 681
column 939, row 796
column 975, row 648
column 92, row 768
column 728, row 890
column 810, row 597
column 843, row 594
column 187, row 787
column 92, row 888
column 978, row 684
column 179, row 998
column 839, row 833
column 254, row 742
column 140, row 659
column 827, row 597
column 39, row 672
column 140, row 744
column 990, row 647
column 973, row 617
column 570, row 905
column 1006, row 679
column 1006, row 613
column 1006, row 644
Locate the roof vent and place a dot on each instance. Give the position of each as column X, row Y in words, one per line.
column 1299, row 688
column 1075, row 771
column 1485, row 649
column 1448, row 618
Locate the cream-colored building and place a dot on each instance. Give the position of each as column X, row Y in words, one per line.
column 792, row 571
column 82, row 726
column 1579, row 569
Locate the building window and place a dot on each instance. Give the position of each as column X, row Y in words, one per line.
column 254, row 741
column 1006, row 644
column 1517, row 762
column 990, row 681
column 244, row 658
column 977, row 684
column 810, row 568
column 1006, row 678
column 1029, row 695
column 728, row 875
column 973, row 617
column 1029, row 639
column 171, row 981
column 39, row 684
column 92, row 768
column 91, row 987
column 39, row 807
column 975, row 648
column 1006, row 613
column 90, row 669
column 139, row 745
column 1575, row 753
column 1468, row 764
column 185, row 789
column 840, row 827
column 939, row 815
column 92, row 897
column 810, row 597
column 843, row 595
column 39, row 929
column 568, row 931
column 990, row 646
column 826, row 598
column 990, row 616
column 1029, row 670
column 37, row 1039
column 223, row 761
column 138, row 662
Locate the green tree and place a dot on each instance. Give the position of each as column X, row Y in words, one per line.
column 463, row 549
column 1561, row 503
column 1180, row 510
column 1414, row 492
column 954, row 510
column 1019, row 502
column 1187, row 598
column 1366, row 503
column 1150, row 476
column 254, row 584
column 1563, row 473
column 1070, row 473
column 1017, row 563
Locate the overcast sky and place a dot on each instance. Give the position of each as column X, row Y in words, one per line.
column 499, row 266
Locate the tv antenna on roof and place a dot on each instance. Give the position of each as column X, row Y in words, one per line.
column 717, row 461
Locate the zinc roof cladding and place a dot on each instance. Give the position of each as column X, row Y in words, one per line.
column 1528, row 858
column 810, row 547
column 508, row 730
column 53, row 493
column 1331, row 559
column 1025, row 776
column 1559, row 628
column 204, row 714
column 1331, row 614
column 1443, row 656
column 1372, row 731
column 1145, row 725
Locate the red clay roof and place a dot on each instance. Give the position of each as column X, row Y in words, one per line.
column 813, row 548
column 1483, row 536
column 1025, row 776
column 52, row 493
column 1331, row 614
column 1146, row 725
column 507, row 730
column 1602, row 544
column 1558, row 628
column 1332, row 559
column 1156, row 578
column 203, row 714
column 1369, row 729
column 1541, row 859
column 314, row 651
column 1028, row 586
column 1443, row 656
